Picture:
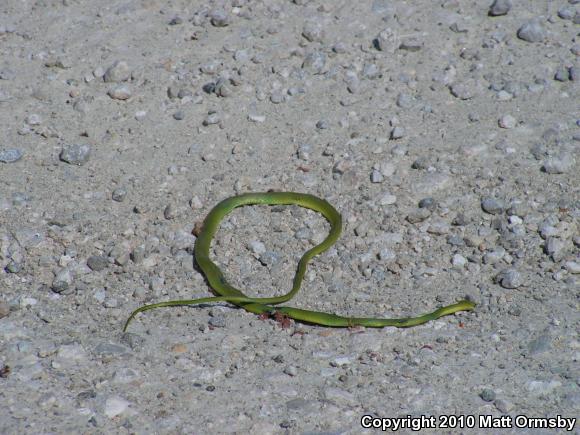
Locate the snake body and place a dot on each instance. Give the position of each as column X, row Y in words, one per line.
column 228, row 293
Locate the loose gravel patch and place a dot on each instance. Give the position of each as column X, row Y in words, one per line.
column 445, row 132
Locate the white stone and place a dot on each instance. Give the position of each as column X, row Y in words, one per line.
column 507, row 121
column 115, row 406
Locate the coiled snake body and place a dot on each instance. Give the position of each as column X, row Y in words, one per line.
column 233, row 295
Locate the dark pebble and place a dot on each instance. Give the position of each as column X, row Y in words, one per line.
column 492, row 206
column 460, row 220
column 428, row 203
column 119, row 194
column 97, row 262
column 13, row 267
column 421, row 163
column 487, row 395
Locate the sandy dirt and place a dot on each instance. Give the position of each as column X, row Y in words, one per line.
column 445, row 132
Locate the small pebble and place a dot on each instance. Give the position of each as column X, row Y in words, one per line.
column 404, row 101
column 313, row 31
column 504, row 96
column 118, row 72
column 304, row 151
column 532, row 31
column 411, row 44
column 566, row 13
column 115, row 406
column 62, row 282
column 121, row 92
column 314, row 62
column 76, row 154
column 4, row 309
column 195, row 203
column 538, row 345
column 219, row 18
column 503, row 405
column 494, row 256
column 119, row 194
column 438, row 227
column 138, row 254
column 397, row 133
column 464, row 90
column 371, row 71
column 386, row 40
column 322, row 125
column 257, row 247
column 376, row 176
column 515, row 220
column 388, row 199
column 422, row 163
column 13, row 267
column 487, row 395
column 500, row 7
column 510, row 279
column 256, row 118
column 558, row 165
column 170, row 212
column 458, row 261
column 562, row 75
column 211, row 119
column 71, row 352
column 507, row 122
column 518, row 208
column 269, row 258
column 97, row 262
column 33, row 119
column 418, row 215
column 492, row 205
column 572, row 267
column 277, row 98
column 10, row 155
column 428, row 203
column 218, row 321
column 106, row 349
column 555, row 248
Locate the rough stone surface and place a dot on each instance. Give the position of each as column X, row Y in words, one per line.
column 500, row 7
column 532, row 31
column 118, row 72
column 10, row 155
column 76, row 154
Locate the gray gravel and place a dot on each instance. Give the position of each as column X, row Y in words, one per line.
column 445, row 132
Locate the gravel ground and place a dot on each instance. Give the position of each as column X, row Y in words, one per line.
column 446, row 133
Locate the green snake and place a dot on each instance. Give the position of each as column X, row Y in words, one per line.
column 264, row 306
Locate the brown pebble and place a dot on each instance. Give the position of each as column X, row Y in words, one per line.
column 179, row 348
column 4, row 309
